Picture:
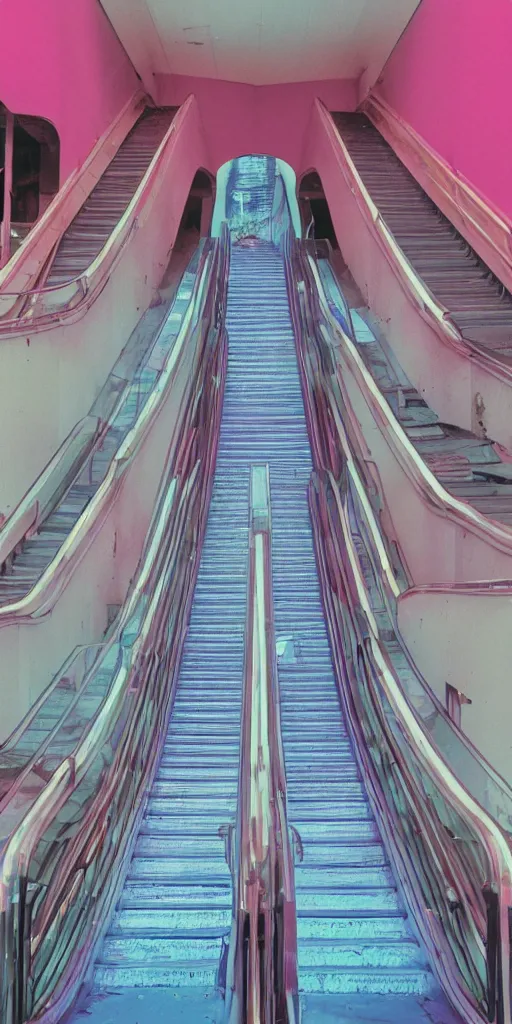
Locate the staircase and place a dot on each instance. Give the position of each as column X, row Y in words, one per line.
column 174, row 914
column 352, row 929
column 102, row 211
column 173, row 919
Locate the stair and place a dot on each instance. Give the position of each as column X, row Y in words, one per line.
column 353, row 934
column 90, row 230
column 172, row 922
column 174, row 916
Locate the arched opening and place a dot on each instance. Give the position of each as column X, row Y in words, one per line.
column 197, row 215
column 29, row 175
column 195, row 224
column 314, row 209
column 256, row 194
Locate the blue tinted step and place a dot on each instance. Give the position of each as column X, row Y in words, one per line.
column 202, row 975
column 404, row 981
column 381, row 953
column 159, row 895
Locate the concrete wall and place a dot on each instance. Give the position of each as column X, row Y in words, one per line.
column 243, row 119
column 63, row 61
column 464, row 639
column 449, row 78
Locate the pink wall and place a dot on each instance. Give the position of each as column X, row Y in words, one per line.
column 242, row 119
column 62, row 60
column 449, row 77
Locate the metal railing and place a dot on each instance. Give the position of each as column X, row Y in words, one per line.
column 88, row 451
column 261, row 985
column 446, row 838
column 62, row 864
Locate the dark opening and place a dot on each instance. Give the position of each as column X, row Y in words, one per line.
column 199, row 206
column 35, row 171
column 2, row 165
column 314, row 209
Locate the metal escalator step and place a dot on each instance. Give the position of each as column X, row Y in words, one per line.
column 178, row 896
column 344, row 925
column 384, row 980
column 360, row 953
column 149, row 975
column 208, row 922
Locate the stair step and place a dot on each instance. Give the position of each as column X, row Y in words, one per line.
column 179, row 976
column 359, row 953
column 157, row 894
column 383, row 981
column 207, row 922
column 346, row 925
column 345, row 876
column 138, row 949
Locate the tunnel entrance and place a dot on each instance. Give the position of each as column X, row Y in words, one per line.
column 29, row 175
column 314, row 209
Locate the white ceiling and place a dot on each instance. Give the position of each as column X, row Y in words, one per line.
column 260, row 42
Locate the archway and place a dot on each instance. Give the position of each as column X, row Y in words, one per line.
column 29, row 175
column 195, row 224
column 256, row 193
column 314, row 209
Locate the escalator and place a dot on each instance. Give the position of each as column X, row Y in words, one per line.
column 172, row 922
column 164, row 955
column 87, row 234
column 478, row 303
column 151, row 342
column 469, row 467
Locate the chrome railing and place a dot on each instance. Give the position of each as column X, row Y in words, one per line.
column 86, row 453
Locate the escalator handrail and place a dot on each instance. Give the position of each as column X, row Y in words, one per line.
column 384, row 576
column 86, row 285
column 67, row 464
column 389, row 587
column 51, row 582
column 197, row 304
column 137, row 701
column 262, row 982
column 318, row 328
